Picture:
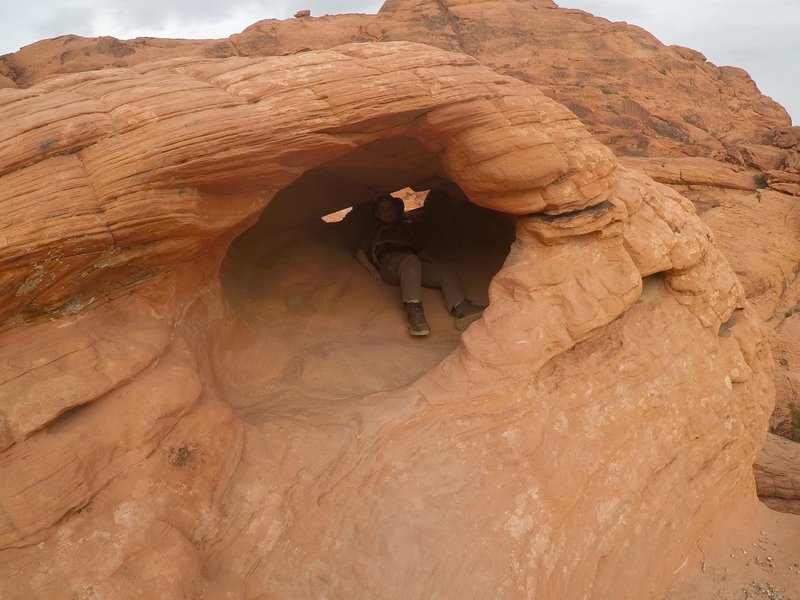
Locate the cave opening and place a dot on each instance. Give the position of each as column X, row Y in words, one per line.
column 313, row 325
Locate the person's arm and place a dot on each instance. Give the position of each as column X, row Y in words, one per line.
column 367, row 264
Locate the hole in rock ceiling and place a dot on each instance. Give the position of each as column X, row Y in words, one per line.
column 337, row 216
column 412, row 200
column 313, row 325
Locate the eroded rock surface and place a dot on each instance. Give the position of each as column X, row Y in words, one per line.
column 637, row 95
column 206, row 397
column 694, row 125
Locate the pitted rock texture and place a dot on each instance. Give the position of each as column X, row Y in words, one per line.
column 268, row 429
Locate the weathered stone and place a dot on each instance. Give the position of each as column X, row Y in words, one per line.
column 694, row 172
column 249, row 417
column 777, row 476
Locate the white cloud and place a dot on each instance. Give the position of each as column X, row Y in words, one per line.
column 172, row 24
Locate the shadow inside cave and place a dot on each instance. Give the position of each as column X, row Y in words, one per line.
column 313, row 328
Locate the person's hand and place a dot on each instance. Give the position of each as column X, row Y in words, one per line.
column 374, row 274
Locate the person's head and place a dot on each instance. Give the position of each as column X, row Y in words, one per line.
column 387, row 208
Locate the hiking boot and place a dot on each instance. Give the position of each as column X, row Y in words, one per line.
column 465, row 312
column 417, row 325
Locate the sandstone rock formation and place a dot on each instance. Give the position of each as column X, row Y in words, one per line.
column 201, row 395
column 636, row 95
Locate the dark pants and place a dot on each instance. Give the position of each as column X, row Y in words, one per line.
column 411, row 274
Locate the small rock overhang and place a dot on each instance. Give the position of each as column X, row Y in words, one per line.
column 111, row 177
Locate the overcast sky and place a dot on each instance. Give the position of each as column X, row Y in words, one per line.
column 761, row 37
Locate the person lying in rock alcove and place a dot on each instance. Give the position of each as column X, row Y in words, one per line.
column 389, row 251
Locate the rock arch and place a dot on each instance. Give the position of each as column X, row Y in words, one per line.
column 608, row 404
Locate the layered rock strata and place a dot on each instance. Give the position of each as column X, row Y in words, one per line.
column 575, row 442
column 637, row 95
column 694, row 125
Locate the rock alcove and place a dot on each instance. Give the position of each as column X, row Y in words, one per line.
column 329, row 330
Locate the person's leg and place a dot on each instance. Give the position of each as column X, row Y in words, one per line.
column 464, row 311
column 439, row 276
column 403, row 269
